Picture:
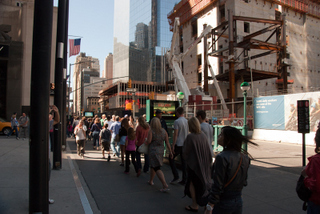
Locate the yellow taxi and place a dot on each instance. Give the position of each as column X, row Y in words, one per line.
column 5, row 126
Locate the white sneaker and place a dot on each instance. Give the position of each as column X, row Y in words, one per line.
column 51, row 201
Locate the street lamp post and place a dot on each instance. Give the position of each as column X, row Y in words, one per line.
column 180, row 96
column 245, row 87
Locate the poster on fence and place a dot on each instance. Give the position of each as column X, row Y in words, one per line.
column 269, row 113
column 280, row 112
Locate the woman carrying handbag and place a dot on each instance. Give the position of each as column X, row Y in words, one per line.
column 229, row 173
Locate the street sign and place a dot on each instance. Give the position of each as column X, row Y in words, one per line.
column 131, row 89
column 303, row 116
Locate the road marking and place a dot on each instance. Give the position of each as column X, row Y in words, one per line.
column 83, row 197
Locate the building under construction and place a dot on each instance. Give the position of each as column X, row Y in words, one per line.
column 272, row 44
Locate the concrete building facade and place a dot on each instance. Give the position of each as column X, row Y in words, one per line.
column 301, row 26
column 88, row 64
column 108, row 69
column 16, row 33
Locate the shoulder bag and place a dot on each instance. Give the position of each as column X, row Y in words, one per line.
column 303, row 192
column 143, row 148
column 234, row 173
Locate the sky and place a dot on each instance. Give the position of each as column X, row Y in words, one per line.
column 93, row 22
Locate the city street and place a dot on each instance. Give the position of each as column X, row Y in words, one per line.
column 93, row 185
column 271, row 183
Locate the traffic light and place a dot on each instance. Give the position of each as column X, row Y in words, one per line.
column 52, row 86
column 129, row 83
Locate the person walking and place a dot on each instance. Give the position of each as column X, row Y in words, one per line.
column 23, row 121
column 109, row 121
column 311, row 174
column 229, row 173
column 80, row 133
column 75, row 122
column 206, row 128
column 103, row 119
column 69, row 129
column 198, row 158
column 142, row 133
column 55, row 119
column 105, row 138
column 95, row 129
column 115, row 127
column 131, row 140
column 179, row 135
column 156, row 136
column 123, row 133
column 162, row 121
column 14, row 126
column 86, row 123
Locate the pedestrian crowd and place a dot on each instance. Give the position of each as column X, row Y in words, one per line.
column 19, row 126
column 217, row 186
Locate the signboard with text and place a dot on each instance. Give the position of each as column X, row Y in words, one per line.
column 269, row 113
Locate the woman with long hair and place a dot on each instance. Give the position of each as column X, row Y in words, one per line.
column 80, row 133
column 311, row 176
column 131, row 151
column 197, row 153
column 142, row 133
column 96, row 128
column 229, row 172
column 123, row 132
column 156, row 136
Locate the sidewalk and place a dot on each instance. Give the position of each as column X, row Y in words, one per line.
column 14, row 181
column 271, row 183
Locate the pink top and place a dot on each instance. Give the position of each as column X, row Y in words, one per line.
column 131, row 144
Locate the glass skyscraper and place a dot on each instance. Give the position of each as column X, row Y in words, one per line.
column 141, row 38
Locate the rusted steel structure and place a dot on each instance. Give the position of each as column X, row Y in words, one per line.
column 276, row 29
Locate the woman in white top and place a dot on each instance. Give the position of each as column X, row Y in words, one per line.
column 80, row 133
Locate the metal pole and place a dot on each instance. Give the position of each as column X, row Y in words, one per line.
column 244, row 131
column 69, row 91
column 39, row 123
column 65, row 65
column 58, row 94
column 303, row 149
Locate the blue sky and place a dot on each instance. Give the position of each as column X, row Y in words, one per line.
column 93, row 21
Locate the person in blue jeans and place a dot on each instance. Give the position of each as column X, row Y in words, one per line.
column 142, row 133
column 96, row 128
column 115, row 127
column 14, row 126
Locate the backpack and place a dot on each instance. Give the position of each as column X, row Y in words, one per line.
column 303, row 192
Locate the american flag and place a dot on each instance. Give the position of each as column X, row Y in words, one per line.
column 74, row 46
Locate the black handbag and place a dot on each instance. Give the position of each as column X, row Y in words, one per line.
column 303, row 192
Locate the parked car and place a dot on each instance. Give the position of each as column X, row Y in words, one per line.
column 5, row 126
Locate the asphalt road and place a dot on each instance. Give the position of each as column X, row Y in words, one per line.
column 271, row 183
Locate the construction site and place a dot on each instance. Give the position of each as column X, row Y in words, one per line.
column 273, row 45
column 217, row 45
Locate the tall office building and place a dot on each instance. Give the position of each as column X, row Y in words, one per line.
column 108, row 69
column 141, row 38
column 84, row 68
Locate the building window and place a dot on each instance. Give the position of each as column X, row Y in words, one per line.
column 194, row 25
column 246, row 27
column 199, row 78
column 222, row 12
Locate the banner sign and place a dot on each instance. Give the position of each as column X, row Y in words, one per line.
column 269, row 113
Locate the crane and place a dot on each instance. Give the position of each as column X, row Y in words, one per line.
column 175, row 58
